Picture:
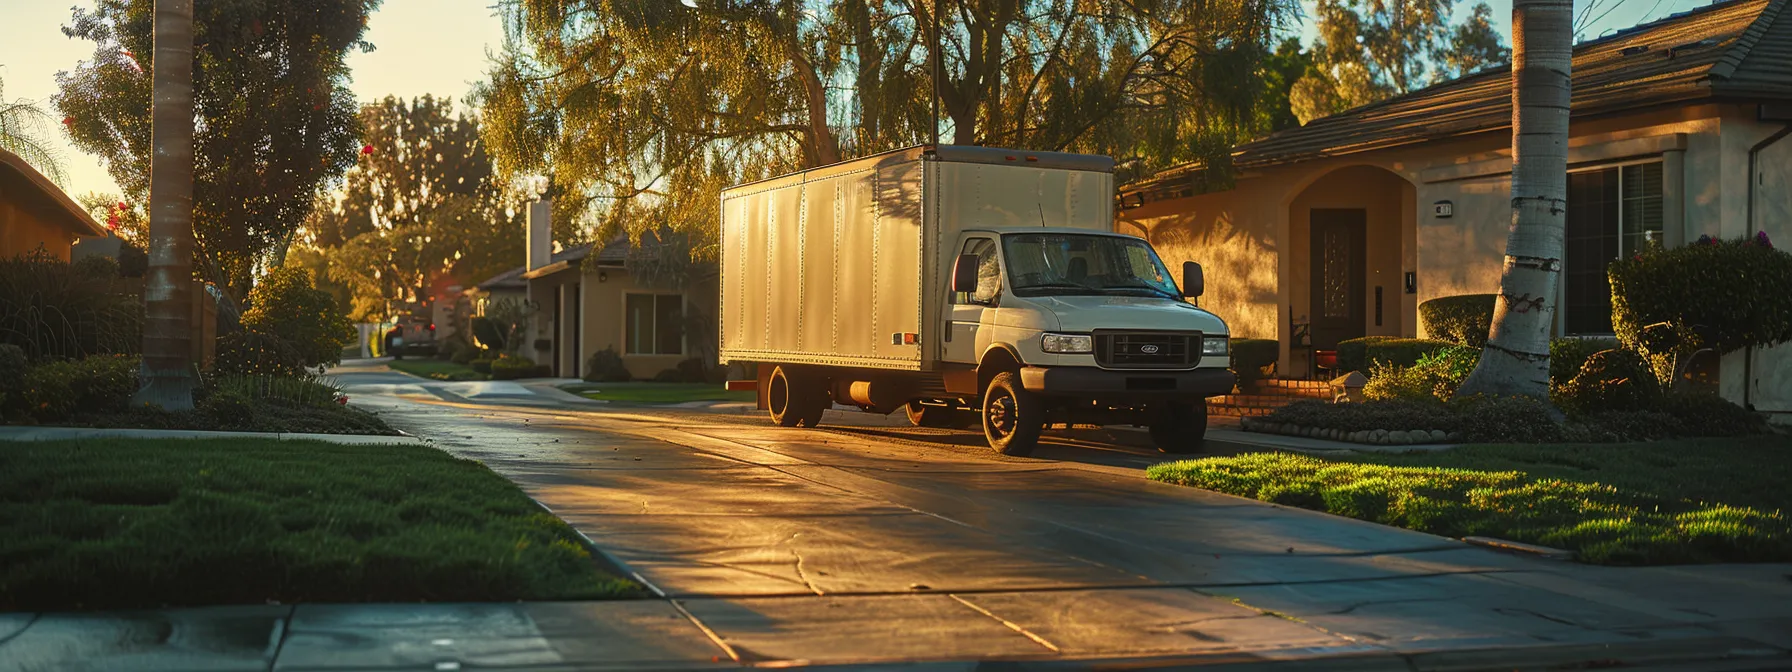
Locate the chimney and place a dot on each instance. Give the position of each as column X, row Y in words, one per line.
column 541, row 233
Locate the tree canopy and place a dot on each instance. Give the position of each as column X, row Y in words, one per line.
column 275, row 117
column 1370, row 50
column 24, row 127
column 641, row 110
column 419, row 205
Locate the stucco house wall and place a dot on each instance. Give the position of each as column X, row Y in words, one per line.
column 1252, row 239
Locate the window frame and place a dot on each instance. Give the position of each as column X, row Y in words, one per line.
column 1617, row 167
column 653, row 335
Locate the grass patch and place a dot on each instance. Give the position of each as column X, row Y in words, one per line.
column 120, row 524
column 436, row 369
column 657, row 393
column 1668, row 502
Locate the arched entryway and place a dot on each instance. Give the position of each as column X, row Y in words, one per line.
column 1351, row 243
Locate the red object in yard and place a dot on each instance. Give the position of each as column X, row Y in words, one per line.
column 741, row 385
column 432, row 327
column 1326, row 359
column 366, row 149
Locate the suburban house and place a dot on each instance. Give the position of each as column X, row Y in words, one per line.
column 587, row 301
column 1340, row 228
column 35, row 213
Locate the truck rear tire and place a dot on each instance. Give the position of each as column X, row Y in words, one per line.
column 1011, row 416
column 945, row 417
column 1179, row 428
column 794, row 399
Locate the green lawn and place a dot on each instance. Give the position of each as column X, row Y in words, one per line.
column 1667, row 502
column 120, row 524
column 657, row 393
column 437, row 369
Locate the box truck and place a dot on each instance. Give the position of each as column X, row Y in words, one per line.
column 965, row 286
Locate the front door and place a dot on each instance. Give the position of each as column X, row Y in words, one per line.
column 1337, row 293
column 966, row 314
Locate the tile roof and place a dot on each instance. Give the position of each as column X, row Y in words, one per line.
column 1734, row 49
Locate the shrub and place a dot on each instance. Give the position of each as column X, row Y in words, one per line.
column 1618, row 426
column 1353, row 353
column 286, row 304
column 1484, row 418
column 98, row 384
column 464, row 355
column 490, row 334
column 1435, row 375
column 13, row 366
column 95, row 266
column 290, row 391
column 1566, row 355
column 512, row 367
column 696, row 370
column 1706, row 414
column 481, row 365
column 1387, row 381
column 669, row 376
column 605, row 366
column 52, row 310
column 1463, row 320
column 1403, row 351
column 1613, row 380
column 1390, row 414
column 1739, row 291
column 253, row 353
column 1250, row 356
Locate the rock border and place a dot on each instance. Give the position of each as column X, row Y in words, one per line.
column 1371, row 437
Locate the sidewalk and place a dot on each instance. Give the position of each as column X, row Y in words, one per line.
column 18, row 433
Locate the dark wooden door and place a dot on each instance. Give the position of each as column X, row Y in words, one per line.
column 1337, row 297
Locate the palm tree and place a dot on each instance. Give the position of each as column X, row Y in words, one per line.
column 1516, row 359
column 167, row 376
column 22, row 132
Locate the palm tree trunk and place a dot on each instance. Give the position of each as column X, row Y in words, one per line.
column 167, row 374
column 1516, row 359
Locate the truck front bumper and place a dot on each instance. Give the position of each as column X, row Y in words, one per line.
column 1084, row 381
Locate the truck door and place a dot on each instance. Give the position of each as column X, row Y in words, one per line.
column 966, row 312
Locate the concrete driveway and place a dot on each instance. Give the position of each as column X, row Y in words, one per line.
column 880, row 543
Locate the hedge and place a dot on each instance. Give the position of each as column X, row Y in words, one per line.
column 1739, row 291
column 1250, row 355
column 512, row 367
column 1357, row 354
column 1463, row 320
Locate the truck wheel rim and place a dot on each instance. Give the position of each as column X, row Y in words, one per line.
column 1001, row 415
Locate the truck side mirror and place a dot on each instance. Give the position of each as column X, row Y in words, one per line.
column 964, row 274
column 1192, row 283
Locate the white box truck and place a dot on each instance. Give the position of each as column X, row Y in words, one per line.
column 965, row 286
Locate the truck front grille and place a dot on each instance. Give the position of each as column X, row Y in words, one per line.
column 1147, row 350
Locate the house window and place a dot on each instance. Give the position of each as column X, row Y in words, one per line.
column 1610, row 213
column 654, row 324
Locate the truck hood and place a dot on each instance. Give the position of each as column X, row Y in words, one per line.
column 1081, row 314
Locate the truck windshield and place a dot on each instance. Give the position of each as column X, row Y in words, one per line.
column 1042, row 264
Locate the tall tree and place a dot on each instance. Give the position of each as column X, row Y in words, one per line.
column 419, row 205
column 619, row 98
column 23, row 127
column 167, row 369
column 1516, row 358
column 275, row 117
column 1369, row 50
column 1474, row 45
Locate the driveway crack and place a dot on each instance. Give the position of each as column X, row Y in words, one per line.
column 1011, row 625
column 800, row 572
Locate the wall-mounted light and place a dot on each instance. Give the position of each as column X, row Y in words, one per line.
column 603, row 276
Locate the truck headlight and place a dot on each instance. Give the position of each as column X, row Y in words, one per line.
column 1068, row 344
column 1215, row 346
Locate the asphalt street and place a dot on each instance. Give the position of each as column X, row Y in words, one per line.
column 865, row 541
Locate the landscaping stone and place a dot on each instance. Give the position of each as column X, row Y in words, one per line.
column 1399, row 438
column 1439, row 436
column 1379, row 437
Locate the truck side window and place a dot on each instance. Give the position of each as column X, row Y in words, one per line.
column 989, row 272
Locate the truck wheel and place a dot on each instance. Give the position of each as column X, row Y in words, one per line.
column 922, row 415
column 795, row 400
column 1011, row 419
column 1179, row 428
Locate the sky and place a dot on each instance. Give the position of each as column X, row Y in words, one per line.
column 437, row 47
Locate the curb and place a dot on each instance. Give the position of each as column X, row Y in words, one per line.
column 21, row 434
column 1520, row 547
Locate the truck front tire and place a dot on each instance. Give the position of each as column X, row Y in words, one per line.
column 794, row 399
column 1011, row 416
column 1179, row 428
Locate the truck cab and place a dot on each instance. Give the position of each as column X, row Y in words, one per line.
column 1093, row 328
